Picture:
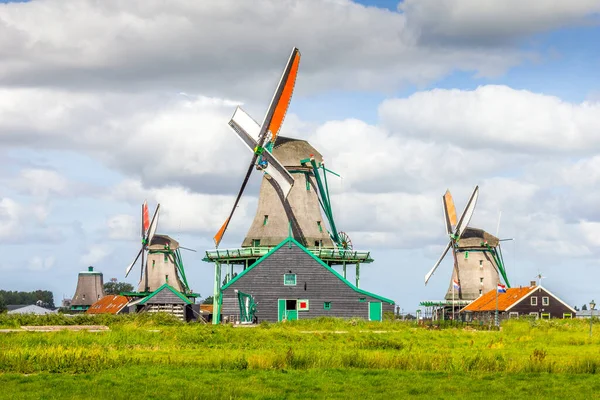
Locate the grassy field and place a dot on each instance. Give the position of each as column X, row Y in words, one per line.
column 161, row 358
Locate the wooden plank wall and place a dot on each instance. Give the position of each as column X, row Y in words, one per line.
column 313, row 282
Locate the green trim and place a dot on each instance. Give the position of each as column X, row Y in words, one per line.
column 327, row 305
column 172, row 289
column 317, row 259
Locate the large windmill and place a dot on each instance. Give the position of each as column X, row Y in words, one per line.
column 160, row 255
column 294, row 196
column 477, row 255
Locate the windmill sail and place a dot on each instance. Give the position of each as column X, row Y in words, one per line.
column 467, row 213
column 270, row 126
column 247, row 130
column 449, row 212
column 281, row 99
column 145, row 219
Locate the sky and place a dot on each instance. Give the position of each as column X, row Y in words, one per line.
column 105, row 104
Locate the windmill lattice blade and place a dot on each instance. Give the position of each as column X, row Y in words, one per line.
column 130, row 267
column 217, row 238
column 153, row 225
column 281, row 99
column 465, row 218
column 247, row 129
column 449, row 212
column 437, row 263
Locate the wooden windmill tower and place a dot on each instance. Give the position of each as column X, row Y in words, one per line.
column 478, row 261
column 160, row 255
column 90, row 288
column 294, row 194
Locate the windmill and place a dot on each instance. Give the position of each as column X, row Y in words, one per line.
column 477, row 254
column 260, row 139
column 161, row 260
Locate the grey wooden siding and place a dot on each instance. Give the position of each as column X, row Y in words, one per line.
column 165, row 296
column 555, row 308
column 313, row 283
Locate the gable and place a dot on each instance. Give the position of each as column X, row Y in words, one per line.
column 166, row 294
column 536, row 292
column 281, row 254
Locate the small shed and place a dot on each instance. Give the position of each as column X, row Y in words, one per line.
column 169, row 300
column 290, row 283
column 532, row 301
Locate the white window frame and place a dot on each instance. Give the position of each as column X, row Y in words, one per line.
column 545, row 301
column 513, row 314
column 537, row 315
column 532, row 302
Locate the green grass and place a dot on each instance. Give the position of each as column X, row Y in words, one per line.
column 159, row 357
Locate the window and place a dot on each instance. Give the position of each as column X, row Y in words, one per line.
column 362, row 300
column 84, row 297
column 319, row 225
column 567, row 316
column 265, row 220
column 289, row 279
column 302, row 305
column 481, row 263
column 534, row 301
column 317, row 244
column 534, row 314
column 481, row 280
column 480, row 292
column 545, row 301
column 513, row 314
column 466, row 255
column 545, row 315
column 327, row 305
column 255, row 242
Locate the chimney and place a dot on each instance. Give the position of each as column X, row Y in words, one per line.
column 90, row 268
column 532, row 284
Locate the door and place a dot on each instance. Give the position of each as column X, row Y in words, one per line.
column 287, row 310
column 291, row 310
column 375, row 311
column 280, row 309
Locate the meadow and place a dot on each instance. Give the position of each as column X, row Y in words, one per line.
column 158, row 357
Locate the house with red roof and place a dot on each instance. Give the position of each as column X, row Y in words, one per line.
column 534, row 301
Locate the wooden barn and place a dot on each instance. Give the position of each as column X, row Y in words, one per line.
column 532, row 301
column 290, row 283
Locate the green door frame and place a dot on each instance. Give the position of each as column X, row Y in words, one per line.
column 283, row 312
column 375, row 311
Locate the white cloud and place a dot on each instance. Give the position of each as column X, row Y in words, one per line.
column 497, row 118
column 208, row 47
column 40, row 264
column 95, row 254
column 493, row 22
column 40, row 182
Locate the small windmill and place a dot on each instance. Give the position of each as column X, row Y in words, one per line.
column 477, row 255
column 163, row 262
column 260, row 139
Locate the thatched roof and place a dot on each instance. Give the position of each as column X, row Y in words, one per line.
column 473, row 237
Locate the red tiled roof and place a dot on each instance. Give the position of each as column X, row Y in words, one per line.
column 110, row 304
column 487, row 301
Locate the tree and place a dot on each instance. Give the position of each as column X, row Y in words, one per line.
column 584, row 307
column 208, row 300
column 2, row 304
column 114, row 287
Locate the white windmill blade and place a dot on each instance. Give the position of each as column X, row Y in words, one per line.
column 437, row 263
column 247, row 130
column 130, row 267
column 153, row 225
column 465, row 218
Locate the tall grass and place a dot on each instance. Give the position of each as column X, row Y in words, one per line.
column 154, row 340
